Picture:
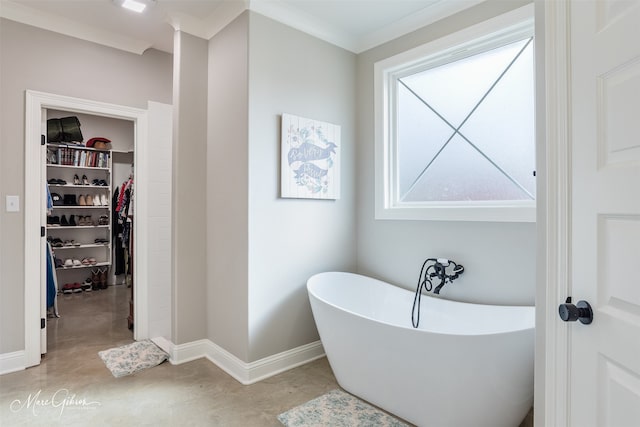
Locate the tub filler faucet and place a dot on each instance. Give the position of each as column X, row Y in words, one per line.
column 433, row 269
column 440, row 271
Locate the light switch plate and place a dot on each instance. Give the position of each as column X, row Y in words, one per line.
column 13, row 204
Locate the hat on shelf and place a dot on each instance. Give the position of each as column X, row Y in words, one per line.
column 99, row 143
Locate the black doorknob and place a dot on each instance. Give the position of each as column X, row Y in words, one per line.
column 581, row 311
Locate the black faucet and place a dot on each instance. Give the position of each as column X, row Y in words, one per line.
column 437, row 268
column 440, row 272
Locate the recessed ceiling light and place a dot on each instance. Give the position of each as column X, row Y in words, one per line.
column 134, row 5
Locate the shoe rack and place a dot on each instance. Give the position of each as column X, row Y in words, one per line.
column 79, row 229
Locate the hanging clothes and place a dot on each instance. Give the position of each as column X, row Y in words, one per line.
column 51, row 277
column 49, row 202
column 121, row 202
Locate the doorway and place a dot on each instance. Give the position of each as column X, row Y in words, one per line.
column 35, row 299
column 90, row 217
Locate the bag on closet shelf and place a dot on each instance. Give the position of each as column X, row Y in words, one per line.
column 71, row 129
column 54, row 130
column 66, row 129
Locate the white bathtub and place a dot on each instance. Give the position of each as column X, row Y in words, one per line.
column 467, row 364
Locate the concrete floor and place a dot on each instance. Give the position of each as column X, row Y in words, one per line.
column 72, row 386
column 85, row 393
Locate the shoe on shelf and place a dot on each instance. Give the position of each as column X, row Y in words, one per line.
column 103, row 200
column 96, row 200
column 56, row 242
column 103, row 279
column 89, row 200
column 76, row 180
column 85, row 261
column 72, row 221
column 77, row 287
column 92, row 261
column 82, row 201
column 87, row 285
column 85, row 180
column 53, row 221
column 63, row 221
column 68, row 262
column 76, row 262
column 59, row 263
column 69, row 200
column 95, row 280
column 67, row 288
column 57, row 199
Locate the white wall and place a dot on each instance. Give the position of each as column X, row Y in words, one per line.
column 31, row 59
column 292, row 239
column 499, row 257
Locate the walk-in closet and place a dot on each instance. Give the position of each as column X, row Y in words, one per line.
column 90, row 183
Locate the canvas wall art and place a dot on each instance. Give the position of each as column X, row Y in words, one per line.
column 310, row 158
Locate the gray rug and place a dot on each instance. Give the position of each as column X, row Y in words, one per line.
column 337, row 409
column 134, row 357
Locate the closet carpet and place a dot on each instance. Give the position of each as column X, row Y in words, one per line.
column 72, row 387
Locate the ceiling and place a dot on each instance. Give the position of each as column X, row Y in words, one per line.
column 355, row 25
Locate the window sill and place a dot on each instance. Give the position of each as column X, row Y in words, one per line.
column 464, row 211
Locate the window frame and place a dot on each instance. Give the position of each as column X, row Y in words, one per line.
column 470, row 41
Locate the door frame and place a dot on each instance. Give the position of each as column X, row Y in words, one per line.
column 553, row 340
column 36, row 101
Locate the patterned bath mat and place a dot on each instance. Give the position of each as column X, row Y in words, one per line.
column 337, row 409
column 133, row 357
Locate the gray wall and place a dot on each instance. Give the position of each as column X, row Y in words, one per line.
column 189, row 188
column 227, row 189
column 499, row 257
column 261, row 248
column 291, row 239
column 44, row 61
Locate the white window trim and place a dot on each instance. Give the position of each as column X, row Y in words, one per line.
column 511, row 25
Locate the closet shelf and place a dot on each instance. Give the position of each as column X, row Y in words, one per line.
column 77, row 147
column 92, row 245
column 81, row 207
column 50, row 165
column 75, row 267
column 93, row 187
column 72, row 227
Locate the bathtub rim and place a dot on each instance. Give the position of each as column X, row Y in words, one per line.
column 411, row 328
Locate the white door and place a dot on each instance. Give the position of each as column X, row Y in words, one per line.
column 604, row 366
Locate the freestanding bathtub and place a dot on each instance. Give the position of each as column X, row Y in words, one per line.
column 467, row 364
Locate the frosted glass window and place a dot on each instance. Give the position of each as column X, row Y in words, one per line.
column 465, row 129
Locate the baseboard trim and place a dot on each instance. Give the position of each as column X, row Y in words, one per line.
column 243, row 372
column 12, row 362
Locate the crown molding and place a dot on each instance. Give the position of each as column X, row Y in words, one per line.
column 207, row 27
column 47, row 21
column 304, row 22
column 413, row 22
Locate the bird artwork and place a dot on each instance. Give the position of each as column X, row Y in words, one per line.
column 310, row 158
